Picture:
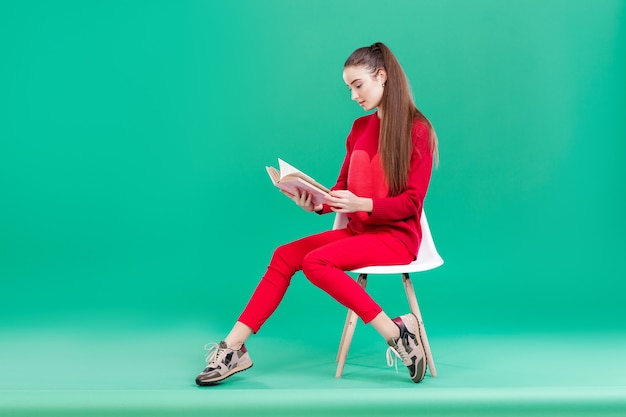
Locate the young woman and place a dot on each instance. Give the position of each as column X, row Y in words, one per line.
column 381, row 187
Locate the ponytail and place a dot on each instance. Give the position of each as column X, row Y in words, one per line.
column 399, row 113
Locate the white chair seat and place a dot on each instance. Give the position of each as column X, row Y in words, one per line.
column 416, row 266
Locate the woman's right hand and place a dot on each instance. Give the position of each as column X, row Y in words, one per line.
column 303, row 199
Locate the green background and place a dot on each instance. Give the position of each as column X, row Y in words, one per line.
column 134, row 135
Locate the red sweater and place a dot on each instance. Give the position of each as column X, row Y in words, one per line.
column 362, row 174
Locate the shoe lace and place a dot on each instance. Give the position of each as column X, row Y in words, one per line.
column 213, row 353
column 392, row 357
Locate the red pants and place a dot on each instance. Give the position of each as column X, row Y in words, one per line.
column 323, row 258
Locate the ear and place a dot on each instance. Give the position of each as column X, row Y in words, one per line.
column 381, row 75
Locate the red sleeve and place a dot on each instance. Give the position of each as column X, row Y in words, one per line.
column 410, row 202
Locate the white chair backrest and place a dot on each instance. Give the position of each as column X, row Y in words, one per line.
column 427, row 256
column 341, row 221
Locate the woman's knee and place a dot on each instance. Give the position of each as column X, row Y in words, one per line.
column 284, row 260
column 313, row 267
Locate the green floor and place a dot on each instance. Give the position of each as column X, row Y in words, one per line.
column 80, row 372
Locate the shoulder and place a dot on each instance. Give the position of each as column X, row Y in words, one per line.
column 420, row 129
column 420, row 134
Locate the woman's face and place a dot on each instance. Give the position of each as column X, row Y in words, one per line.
column 367, row 88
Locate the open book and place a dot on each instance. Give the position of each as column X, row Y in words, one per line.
column 289, row 179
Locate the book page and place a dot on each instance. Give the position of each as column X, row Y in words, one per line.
column 287, row 170
column 273, row 173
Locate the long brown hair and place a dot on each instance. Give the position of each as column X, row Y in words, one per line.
column 399, row 113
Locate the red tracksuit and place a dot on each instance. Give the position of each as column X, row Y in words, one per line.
column 389, row 235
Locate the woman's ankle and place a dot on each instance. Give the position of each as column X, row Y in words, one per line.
column 238, row 336
column 385, row 326
column 233, row 346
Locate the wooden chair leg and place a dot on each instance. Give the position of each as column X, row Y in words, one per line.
column 412, row 298
column 348, row 332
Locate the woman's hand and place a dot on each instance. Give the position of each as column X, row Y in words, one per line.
column 344, row 201
column 303, row 199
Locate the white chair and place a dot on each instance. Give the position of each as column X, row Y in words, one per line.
column 427, row 258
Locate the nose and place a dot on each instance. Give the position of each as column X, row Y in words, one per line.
column 354, row 94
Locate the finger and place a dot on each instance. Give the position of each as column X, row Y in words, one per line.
column 337, row 201
column 334, row 200
column 303, row 197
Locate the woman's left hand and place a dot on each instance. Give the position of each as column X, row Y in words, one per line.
column 344, row 201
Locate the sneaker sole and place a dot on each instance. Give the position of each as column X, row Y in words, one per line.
column 421, row 344
column 215, row 381
column 421, row 370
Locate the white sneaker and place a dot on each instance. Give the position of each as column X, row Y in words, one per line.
column 222, row 363
column 408, row 347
